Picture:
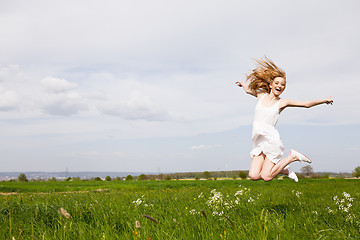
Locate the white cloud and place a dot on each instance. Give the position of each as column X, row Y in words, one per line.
column 10, row 73
column 138, row 106
column 64, row 104
column 56, row 85
column 95, row 154
column 202, row 147
column 8, row 100
column 13, row 86
column 62, row 97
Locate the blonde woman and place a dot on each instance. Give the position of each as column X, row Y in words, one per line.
column 266, row 83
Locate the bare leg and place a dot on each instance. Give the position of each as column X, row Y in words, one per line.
column 256, row 166
column 270, row 169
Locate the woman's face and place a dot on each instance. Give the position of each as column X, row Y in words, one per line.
column 278, row 85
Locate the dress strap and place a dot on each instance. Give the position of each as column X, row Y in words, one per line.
column 278, row 105
column 278, row 102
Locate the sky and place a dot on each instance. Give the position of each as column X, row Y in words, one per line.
column 149, row 86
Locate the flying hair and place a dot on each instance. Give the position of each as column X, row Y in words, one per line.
column 262, row 76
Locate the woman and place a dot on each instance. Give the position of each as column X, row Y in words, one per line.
column 267, row 82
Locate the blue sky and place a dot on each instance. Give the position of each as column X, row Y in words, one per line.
column 150, row 85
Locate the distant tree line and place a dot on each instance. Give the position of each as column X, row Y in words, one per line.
column 305, row 172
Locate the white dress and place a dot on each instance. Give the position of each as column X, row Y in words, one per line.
column 265, row 137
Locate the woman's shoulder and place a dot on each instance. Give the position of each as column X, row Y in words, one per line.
column 284, row 103
column 261, row 95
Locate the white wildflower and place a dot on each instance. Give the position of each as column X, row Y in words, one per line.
column 228, row 205
column 346, row 195
column 350, row 217
column 250, row 199
column 329, row 209
column 240, row 192
column 216, row 200
column 193, row 211
column 297, row 193
column 140, row 201
column 344, row 205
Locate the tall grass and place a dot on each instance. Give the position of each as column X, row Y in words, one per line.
column 280, row 209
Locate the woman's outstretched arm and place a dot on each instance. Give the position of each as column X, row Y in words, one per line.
column 306, row 104
column 246, row 88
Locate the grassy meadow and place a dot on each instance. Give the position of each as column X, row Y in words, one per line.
column 222, row 209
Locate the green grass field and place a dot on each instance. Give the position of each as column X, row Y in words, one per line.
column 228, row 209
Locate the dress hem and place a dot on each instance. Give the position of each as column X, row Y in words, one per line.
column 255, row 153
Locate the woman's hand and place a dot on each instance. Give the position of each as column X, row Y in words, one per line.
column 329, row 101
column 239, row 83
column 246, row 88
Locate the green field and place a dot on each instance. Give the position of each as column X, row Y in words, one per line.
column 227, row 209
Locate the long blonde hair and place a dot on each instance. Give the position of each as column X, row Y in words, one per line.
column 262, row 76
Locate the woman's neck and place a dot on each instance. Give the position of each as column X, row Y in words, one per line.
column 273, row 97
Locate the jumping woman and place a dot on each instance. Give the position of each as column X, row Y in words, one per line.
column 266, row 83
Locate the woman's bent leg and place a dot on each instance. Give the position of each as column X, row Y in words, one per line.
column 270, row 169
column 256, row 166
